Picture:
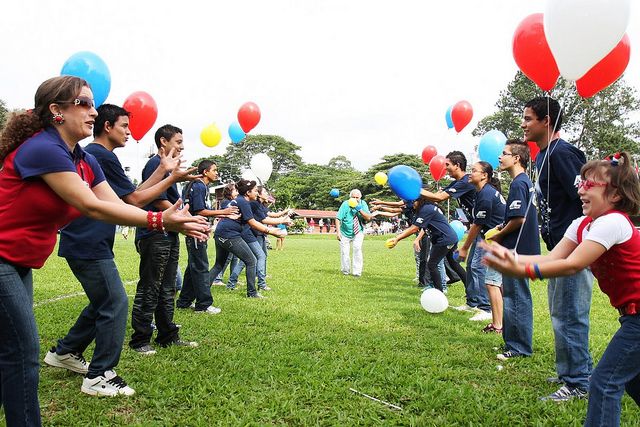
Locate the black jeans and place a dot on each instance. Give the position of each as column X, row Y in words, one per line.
column 156, row 290
column 196, row 283
column 435, row 256
column 424, row 276
column 241, row 249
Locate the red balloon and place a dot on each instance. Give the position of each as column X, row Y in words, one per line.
column 437, row 167
column 143, row 112
column 461, row 115
column 533, row 149
column 606, row 71
column 248, row 116
column 428, row 153
column 532, row 53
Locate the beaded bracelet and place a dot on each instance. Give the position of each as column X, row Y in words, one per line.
column 155, row 222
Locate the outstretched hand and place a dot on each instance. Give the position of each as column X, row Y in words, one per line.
column 180, row 220
column 501, row 259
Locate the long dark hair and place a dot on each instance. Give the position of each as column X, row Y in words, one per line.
column 21, row 126
column 491, row 179
column 244, row 186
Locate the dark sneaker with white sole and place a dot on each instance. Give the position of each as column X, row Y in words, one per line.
column 71, row 361
column 145, row 350
column 566, row 393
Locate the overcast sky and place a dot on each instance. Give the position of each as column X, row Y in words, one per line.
column 337, row 77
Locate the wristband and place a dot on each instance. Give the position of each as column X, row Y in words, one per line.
column 358, row 208
column 155, row 222
column 528, row 270
column 537, row 270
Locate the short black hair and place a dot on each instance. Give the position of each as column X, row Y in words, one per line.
column 457, row 158
column 166, row 132
column 546, row 106
column 107, row 113
column 244, row 186
column 204, row 165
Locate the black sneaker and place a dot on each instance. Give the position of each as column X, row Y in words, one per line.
column 145, row 350
column 181, row 343
column 509, row 354
column 566, row 393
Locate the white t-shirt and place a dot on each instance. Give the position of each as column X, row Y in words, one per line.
column 608, row 230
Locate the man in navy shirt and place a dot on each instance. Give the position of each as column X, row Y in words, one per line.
column 196, row 284
column 159, row 253
column 465, row 193
column 87, row 245
column 520, row 228
column 558, row 166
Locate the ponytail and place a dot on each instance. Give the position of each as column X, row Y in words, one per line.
column 21, row 126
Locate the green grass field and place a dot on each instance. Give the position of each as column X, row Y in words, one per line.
column 292, row 359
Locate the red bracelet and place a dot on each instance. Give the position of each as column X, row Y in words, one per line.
column 529, row 271
column 154, row 221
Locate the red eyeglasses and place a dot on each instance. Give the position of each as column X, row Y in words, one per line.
column 587, row 184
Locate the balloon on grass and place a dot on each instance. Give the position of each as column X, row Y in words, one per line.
column 434, row 301
column 381, row 178
column 248, row 116
column 89, row 66
column 491, row 146
column 236, row 133
column 143, row 112
column 210, row 135
column 438, row 168
column 405, row 182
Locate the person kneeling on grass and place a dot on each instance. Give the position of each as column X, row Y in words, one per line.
column 605, row 240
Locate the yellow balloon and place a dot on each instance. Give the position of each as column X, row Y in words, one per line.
column 380, row 178
column 352, row 202
column 210, row 135
column 389, row 243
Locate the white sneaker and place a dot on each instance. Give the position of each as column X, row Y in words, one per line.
column 109, row 384
column 464, row 307
column 482, row 316
column 71, row 361
column 210, row 310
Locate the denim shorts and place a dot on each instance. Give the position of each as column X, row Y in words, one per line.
column 493, row 277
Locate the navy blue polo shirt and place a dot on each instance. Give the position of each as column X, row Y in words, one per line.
column 489, row 208
column 232, row 228
column 260, row 212
column 196, row 194
column 87, row 238
column 430, row 217
column 464, row 192
column 521, row 192
column 171, row 194
column 558, row 200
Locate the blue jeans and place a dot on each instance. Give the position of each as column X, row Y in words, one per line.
column 103, row 319
column 569, row 305
column 261, row 266
column 232, row 260
column 156, row 290
column 19, row 347
column 196, row 283
column 517, row 329
column 618, row 369
column 475, row 289
column 239, row 248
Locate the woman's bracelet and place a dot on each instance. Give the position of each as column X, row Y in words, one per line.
column 155, row 222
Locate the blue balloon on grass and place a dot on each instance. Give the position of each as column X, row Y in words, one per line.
column 447, row 117
column 236, row 133
column 89, row 66
column 491, row 146
column 405, row 182
column 459, row 228
column 334, row 192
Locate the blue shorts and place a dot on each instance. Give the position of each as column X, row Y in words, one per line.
column 493, row 277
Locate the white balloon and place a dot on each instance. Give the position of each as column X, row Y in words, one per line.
column 262, row 166
column 582, row 32
column 434, row 301
column 249, row 175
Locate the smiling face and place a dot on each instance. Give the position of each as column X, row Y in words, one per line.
column 176, row 142
column 79, row 116
column 253, row 193
column 595, row 198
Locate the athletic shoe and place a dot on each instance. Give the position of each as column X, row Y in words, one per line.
column 481, row 316
column 180, row 343
column 509, row 354
column 491, row 328
column 464, row 307
column 109, row 384
column 566, row 393
column 71, row 361
column 257, row 295
column 210, row 310
column 217, row 283
column 266, row 288
column 145, row 350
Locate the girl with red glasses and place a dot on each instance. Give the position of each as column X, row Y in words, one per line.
column 606, row 240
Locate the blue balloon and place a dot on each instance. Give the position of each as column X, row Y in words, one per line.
column 448, row 118
column 491, row 146
column 89, row 66
column 459, row 228
column 236, row 133
column 405, row 182
column 334, row 192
